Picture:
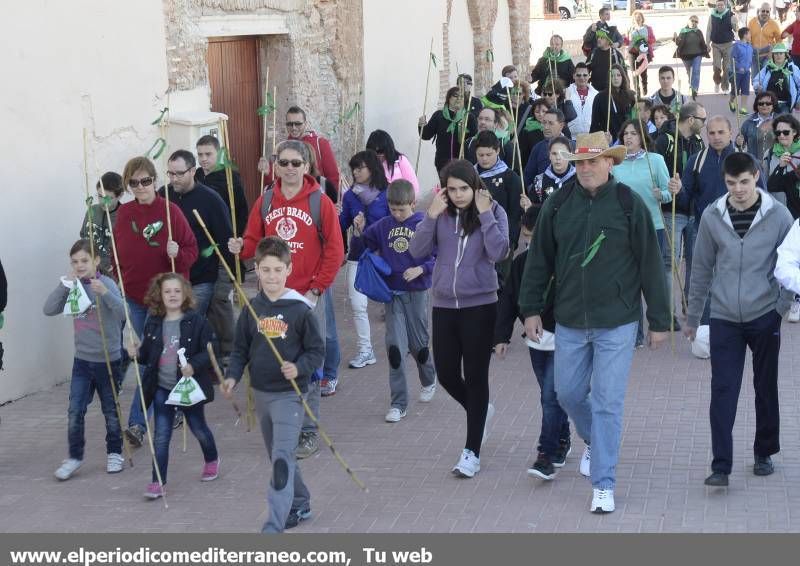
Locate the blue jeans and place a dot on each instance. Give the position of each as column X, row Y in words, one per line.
column 203, row 293
column 332, row 354
column 591, row 368
column 693, row 68
column 164, row 418
column 88, row 377
column 555, row 424
column 138, row 314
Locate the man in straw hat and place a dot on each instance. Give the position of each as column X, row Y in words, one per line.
column 596, row 239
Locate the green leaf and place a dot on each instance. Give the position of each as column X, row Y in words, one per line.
column 268, row 108
column 224, row 160
column 209, row 251
column 433, row 60
column 160, row 117
column 156, row 149
column 106, row 200
column 593, row 249
column 490, row 55
column 89, row 201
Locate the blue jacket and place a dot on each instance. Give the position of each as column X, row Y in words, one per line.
column 742, row 55
column 351, row 206
column 762, row 80
column 391, row 240
column 707, row 184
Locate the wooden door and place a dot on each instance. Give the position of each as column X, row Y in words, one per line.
column 233, row 78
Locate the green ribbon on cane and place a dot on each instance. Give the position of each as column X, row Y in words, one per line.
column 160, row 117
column 593, row 249
column 268, row 108
column 156, row 149
column 224, row 160
column 209, row 251
column 434, row 60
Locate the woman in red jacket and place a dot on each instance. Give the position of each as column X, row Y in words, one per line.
column 641, row 42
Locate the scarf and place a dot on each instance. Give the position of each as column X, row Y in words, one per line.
column 687, row 30
column 559, row 57
column 365, row 193
column 532, row 125
column 720, row 15
column 782, row 69
column 634, row 156
column 455, row 122
column 560, row 180
column 758, row 119
column 778, row 150
column 496, row 169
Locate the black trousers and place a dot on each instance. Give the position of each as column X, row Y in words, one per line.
column 729, row 343
column 463, row 337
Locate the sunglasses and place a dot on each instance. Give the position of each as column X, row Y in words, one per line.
column 144, row 181
column 581, row 74
column 296, row 163
column 547, row 94
column 783, row 132
column 294, row 124
column 765, row 103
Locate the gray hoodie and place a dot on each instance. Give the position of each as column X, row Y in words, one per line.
column 739, row 271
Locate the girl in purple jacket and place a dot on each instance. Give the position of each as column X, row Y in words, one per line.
column 469, row 232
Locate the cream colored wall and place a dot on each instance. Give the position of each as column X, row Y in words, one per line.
column 501, row 38
column 68, row 65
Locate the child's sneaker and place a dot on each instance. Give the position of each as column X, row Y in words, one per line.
column 177, row 421
column 114, row 463
column 308, row 445
column 394, row 415
column 67, row 468
column 542, row 468
column 564, row 450
column 363, row 359
column 794, row 312
column 210, row 471
column 585, row 467
column 154, row 491
column 296, row 516
column 732, row 106
column 426, row 393
column 135, row 435
column 327, row 387
column 468, row 465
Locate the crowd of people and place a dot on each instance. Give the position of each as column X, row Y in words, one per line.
column 568, row 203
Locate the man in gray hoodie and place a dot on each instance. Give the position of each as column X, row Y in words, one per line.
column 734, row 257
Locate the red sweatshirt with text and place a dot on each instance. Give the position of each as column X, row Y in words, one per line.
column 314, row 263
column 142, row 244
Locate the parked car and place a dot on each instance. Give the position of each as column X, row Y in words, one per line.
column 567, row 8
column 623, row 5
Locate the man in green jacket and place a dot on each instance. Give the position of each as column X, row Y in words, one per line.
column 596, row 242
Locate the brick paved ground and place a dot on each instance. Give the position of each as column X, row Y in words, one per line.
column 665, row 456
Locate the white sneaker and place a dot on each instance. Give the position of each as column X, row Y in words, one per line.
column 363, row 359
column 67, row 468
column 426, row 393
column 716, row 89
column 794, row 312
column 585, row 467
column 394, row 415
column 602, row 501
column 468, row 465
column 114, row 463
column 487, row 422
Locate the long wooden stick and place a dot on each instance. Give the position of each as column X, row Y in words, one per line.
column 274, row 122
column 608, row 114
column 163, row 128
column 424, row 106
column 279, row 358
column 133, row 340
column 231, row 196
column 125, row 444
column 218, row 373
column 264, row 133
column 672, row 240
column 465, row 122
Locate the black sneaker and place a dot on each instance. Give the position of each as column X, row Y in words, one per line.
column 177, row 422
column 542, row 468
column 564, row 450
column 763, row 466
column 296, row 516
column 717, row 479
column 135, row 435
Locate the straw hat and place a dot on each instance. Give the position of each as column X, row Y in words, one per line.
column 589, row 146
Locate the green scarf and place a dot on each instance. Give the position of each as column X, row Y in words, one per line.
column 782, row 69
column 778, row 150
column 503, row 135
column 455, row 122
column 560, row 58
column 720, row 15
column 687, row 30
column 532, row 125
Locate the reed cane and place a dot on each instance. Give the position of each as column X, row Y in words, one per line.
column 221, row 380
column 163, row 129
column 424, row 106
column 264, row 130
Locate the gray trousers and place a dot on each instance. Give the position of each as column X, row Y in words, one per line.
column 407, row 331
column 313, row 396
column 280, row 416
column 220, row 312
column 721, row 61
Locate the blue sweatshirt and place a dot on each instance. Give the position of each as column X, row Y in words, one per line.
column 742, row 55
column 390, row 239
column 351, row 206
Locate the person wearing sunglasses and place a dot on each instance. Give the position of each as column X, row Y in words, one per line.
column 756, row 135
column 141, row 233
column 581, row 94
column 782, row 77
column 781, row 162
column 555, row 59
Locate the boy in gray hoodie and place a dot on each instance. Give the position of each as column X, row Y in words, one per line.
column 734, row 258
column 285, row 316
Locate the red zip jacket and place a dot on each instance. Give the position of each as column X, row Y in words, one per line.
column 314, row 263
column 326, row 160
column 139, row 260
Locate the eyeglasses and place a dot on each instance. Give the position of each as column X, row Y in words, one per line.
column 783, row 132
column 581, row 75
column 144, row 181
column 701, row 118
column 294, row 124
column 296, row 163
column 763, row 11
column 173, row 174
column 765, row 103
column 547, row 94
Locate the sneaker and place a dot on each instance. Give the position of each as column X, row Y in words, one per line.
column 564, row 450
column 743, row 111
column 394, row 415
column 177, row 422
column 542, row 468
column 694, row 95
column 717, row 479
column 585, row 467
column 488, row 421
column 67, row 468
column 296, row 516
column 308, row 445
column 114, row 463
column 154, row 491
column 602, row 501
column 676, row 326
column 716, row 89
column 363, row 359
column 135, row 435
column 794, row 312
column 327, row 387
column 468, row 465
column 763, row 466
column 426, row 393
column 732, row 106
column 210, row 471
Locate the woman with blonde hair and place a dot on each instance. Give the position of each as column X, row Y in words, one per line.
column 641, row 42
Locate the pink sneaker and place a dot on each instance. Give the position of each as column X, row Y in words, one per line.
column 210, row 470
column 154, row 491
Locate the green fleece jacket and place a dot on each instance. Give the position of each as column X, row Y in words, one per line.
column 602, row 261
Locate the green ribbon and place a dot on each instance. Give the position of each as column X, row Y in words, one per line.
column 268, row 108
column 224, row 160
column 73, row 298
column 455, row 122
column 160, row 117
column 778, row 150
column 433, row 60
column 209, row 251
column 559, row 57
column 2, row 320
column 490, row 55
column 151, row 230
column 593, row 249
column 532, row 125
column 156, row 149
